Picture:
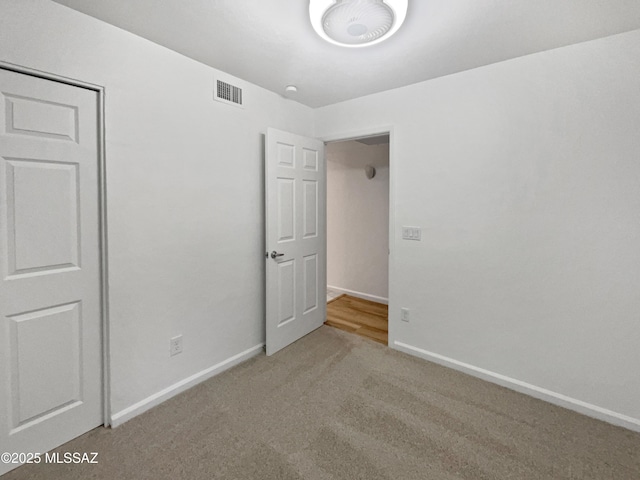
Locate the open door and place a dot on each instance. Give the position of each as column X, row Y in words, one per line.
column 295, row 237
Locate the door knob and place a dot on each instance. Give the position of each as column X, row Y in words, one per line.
column 275, row 254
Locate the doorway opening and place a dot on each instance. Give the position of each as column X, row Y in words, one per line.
column 358, row 190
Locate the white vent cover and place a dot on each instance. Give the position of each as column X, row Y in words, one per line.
column 227, row 93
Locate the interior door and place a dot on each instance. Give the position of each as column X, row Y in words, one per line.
column 296, row 282
column 50, row 313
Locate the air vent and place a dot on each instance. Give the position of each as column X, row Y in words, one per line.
column 227, row 93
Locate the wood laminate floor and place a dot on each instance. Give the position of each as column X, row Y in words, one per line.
column 362, row 317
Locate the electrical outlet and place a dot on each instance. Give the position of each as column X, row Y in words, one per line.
column 175, row 345
column 404, row 314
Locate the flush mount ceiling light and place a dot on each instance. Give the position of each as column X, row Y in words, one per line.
column 356, row 23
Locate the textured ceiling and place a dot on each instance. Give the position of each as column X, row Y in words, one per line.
column 271, row 42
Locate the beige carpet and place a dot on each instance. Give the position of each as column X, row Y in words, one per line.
column 337, row 406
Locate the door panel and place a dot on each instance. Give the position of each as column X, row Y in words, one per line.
column 286, row 291
column 310, row 159
column 286, row 209
column 45, row 346
column 310, row 223
column 42, row 216
column 50, row 313
column 295, row 228
column 41, row 118
column 310, row 282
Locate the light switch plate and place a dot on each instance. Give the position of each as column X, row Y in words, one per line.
column 412, row 233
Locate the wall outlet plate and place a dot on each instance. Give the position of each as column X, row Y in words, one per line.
column 412, row 233
column 175, row 345
column 404, row 314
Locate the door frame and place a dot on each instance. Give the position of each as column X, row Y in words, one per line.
column 102, row 220
column 374, row 132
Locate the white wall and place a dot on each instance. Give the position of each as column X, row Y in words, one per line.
column 358, row 218
column 524, row 178
column 185, row 193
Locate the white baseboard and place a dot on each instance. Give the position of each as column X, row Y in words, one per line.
column 157, row 398
column 526, row 388
column 364, row 296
